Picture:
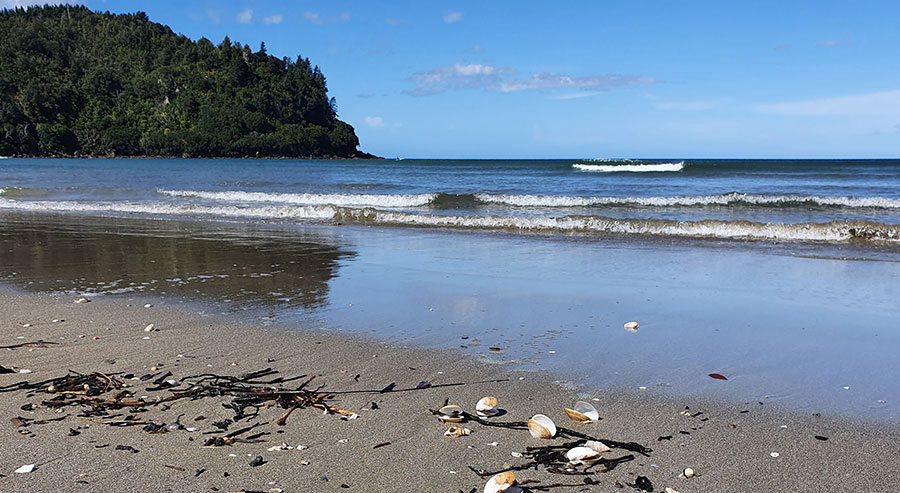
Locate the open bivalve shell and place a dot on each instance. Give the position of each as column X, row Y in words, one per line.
column 487, row 407
column 580, row 455
column 583, row 412
column 502, row 482
column 599, row 446
column 541, row 426
column 451, row 413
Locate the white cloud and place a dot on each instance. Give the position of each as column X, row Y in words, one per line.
column 477, row 48
column 491, row 78
column 686, row 106
column 458, row 76
column 374, row 121
column 452, row 17
column 273, row 19
column 392, row 21
column 312, row 17
column 549, row 81
column 214, row 15
column 886, row 103
column 244, row 17
column 11, row 4
column 344, row 17
column 827, row 44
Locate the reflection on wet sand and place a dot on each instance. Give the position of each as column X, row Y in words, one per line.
column 250, row 264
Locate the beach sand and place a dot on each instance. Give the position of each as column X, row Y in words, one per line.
column 737, row 447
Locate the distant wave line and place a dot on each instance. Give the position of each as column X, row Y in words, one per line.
column 631, row 168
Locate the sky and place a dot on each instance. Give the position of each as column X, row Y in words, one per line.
column 583, row 79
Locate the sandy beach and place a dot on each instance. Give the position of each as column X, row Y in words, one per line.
column 395, row 444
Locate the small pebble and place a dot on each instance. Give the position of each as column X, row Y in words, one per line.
column 774, row 454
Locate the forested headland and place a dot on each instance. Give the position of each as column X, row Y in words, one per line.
column 79, row 83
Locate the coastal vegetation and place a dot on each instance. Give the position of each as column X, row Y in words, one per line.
column 79, row 83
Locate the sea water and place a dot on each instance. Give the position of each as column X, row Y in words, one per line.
column 782, row 275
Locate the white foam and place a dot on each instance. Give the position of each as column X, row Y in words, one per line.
column 729, row 199
column 159, row 208
column 632, row 168
column 343, row 200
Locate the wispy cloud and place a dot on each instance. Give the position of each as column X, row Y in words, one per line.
column 273, row 19
column 391, row 21
column 477, row 48
column 686, row 106
column 344, row 17
column 550, row 80
column 374, row 121
column 831, row 43
column 244, row 17
column 487, row 77
column 458, row 76
column 214, row 15
column 783, row 47
column 312, row 17
column 884, row 103
column 452, row 17
column 11, row 4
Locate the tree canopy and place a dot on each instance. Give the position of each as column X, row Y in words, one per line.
column 77, row 82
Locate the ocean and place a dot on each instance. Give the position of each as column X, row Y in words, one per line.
column 781, row 274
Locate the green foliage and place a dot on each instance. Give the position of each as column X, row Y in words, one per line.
column 76, row 82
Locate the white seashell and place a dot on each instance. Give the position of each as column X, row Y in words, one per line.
column 541, row 426
column 600, row 447
column 30, row 467
column 579, row 455
column 688, row 472
column 583, row 412
column 451, row 413
column 149, row 328
column 631, row 326
column 81, row 300
column 670, row 490
column 457, row 431
column 500, row 482
column 487, row 406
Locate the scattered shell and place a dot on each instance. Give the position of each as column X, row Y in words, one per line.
column 670, row 490
column 148, row 305
column 81, row 300
column 30, row 467
column 457, row 431
column 149, row 328
column 24, row 370
column 451, row 413
column 583, row 412
column 500, row 482
column 688, row 472
column 631, row 326
column 774, row 454
column 487, row 407
column 541, row 426
column 580, row 455
column 597, row 445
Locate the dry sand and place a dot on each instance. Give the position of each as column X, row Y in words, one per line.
column 730, row 446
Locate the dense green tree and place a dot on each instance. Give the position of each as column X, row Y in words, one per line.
column 77, row 82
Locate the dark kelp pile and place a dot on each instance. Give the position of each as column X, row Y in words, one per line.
column 259, row 399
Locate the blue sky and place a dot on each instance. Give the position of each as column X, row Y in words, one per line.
column 527, row 79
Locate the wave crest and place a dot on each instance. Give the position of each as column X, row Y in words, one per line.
column 630, row 168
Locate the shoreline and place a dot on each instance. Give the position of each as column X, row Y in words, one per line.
column 729, row 445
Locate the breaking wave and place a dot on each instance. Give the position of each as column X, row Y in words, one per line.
column 345, row 200
column 728, row 199
column 627, row 166
column 833, row 231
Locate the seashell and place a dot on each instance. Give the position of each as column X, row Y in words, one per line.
column 583, row 412
column 81, row 300
column 631, row 326
column 599, row 446
column 500, row 482
column 457, row 431
column 541, row 426
column 27, row 468
column 579, row 455
column 688, row 472
column 487, row 406
column 451, row 413
column 149, row 328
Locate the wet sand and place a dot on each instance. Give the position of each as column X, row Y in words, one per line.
column 729, row 445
